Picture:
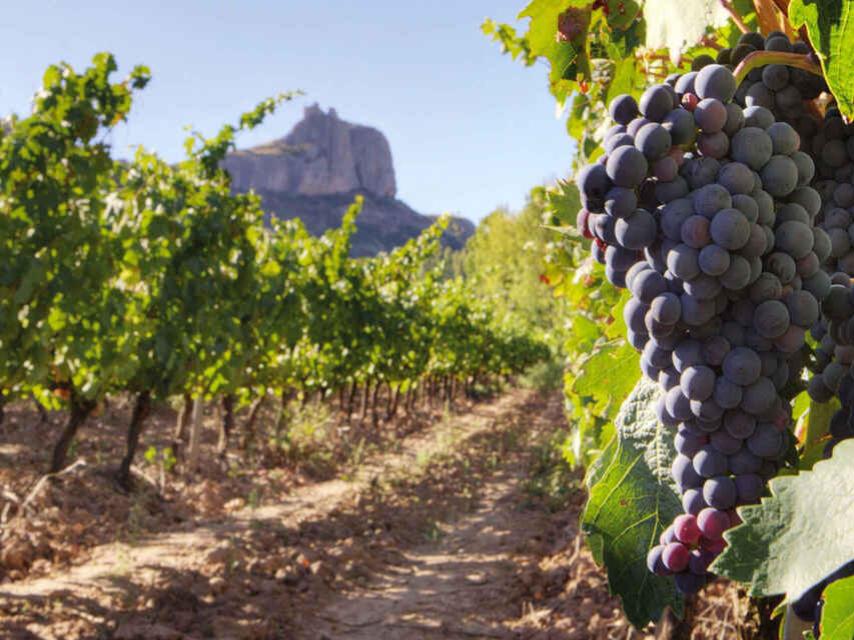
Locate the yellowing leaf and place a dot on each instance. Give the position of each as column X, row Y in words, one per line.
column 676, row 25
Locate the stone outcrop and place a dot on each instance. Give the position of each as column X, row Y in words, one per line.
column 315, row 171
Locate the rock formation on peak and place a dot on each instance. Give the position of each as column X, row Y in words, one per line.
column 322, row 155
column 315, row 171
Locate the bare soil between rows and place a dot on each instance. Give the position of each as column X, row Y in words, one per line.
column 438, row 535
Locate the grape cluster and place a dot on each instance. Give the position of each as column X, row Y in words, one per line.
column 782, row 89
column 702, row 210
column 833, row 375
column 638, row 170
column 777, row 87
column 834, row 362
column 833, row 152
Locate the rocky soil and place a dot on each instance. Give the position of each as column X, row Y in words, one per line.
column 440, row 532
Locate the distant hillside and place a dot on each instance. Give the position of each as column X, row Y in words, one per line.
column 314, row 173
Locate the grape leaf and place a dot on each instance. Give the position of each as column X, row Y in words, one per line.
column 830, row 25
column 609, row 375
column 676, row 25
column 630, row 504
column 599, row 465
column 814, row 432
column 544, row 21
column 567, row 58
column 837, row 616
column 625, row 79
column 800, row 534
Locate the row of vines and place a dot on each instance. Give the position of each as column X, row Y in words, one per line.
column 670, row 105
column 155, row 280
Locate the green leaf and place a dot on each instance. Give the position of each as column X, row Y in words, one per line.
column 544, row 15
column 575, row 123
column 567, row 59
column 800, row 534
column 837, row 616
column 816, row 426
column 622, row 13
column 630, row 505
column 831, row 30
column 32, row 278
column 625, row 78
column 676, row 25
column 598, row 467
column 608, row 375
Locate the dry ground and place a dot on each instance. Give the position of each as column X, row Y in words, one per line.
column 435, row 532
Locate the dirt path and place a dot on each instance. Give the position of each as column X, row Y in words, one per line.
column 181, row 550
column 422, row 542
column 461, row 586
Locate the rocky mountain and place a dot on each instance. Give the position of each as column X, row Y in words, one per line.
column 315, row 171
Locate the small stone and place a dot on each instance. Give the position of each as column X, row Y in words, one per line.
column 17, row 555
column 217, row 584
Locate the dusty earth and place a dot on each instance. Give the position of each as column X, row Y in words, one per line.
column 438, row 533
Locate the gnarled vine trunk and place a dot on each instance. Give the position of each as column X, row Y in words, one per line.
column 374, row 399
column 351, row 400
column 80, row 410
column 141, row 411
column 227, row 423
column 394, row 401
column 194, row 446
column 365, row 396
column 251, row 419
column 287, row 396
column 181, row 424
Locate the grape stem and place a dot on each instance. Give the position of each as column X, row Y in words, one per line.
column 783, row 6
column 727, row 5
column 711, row 43
column 762, row 58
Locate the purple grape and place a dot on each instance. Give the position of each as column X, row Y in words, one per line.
column 739, row 424
column 689, row 583
column 765, row 441
column 654, row 561
column 715, row 81
column 719, row 492
column 684, row 474
column 713, row 522
column 692, row 501
column 626, row 167
column 750, row 488
column 623, row 109
column 675, row 557
column 709, row 462
column 688, row 444
column 724, row 442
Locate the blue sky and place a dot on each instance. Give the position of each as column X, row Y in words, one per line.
column 469, row 128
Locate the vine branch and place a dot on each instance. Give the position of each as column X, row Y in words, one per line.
column 783, row 6
column 736, row 17
column 762, row 58
column 711, row 43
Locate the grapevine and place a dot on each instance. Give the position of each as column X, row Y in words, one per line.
column 715, row 187
column 701, row 251
column 156, row 280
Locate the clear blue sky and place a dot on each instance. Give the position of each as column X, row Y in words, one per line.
column 469, row 128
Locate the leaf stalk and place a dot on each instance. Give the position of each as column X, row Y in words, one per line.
column 762, row 58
